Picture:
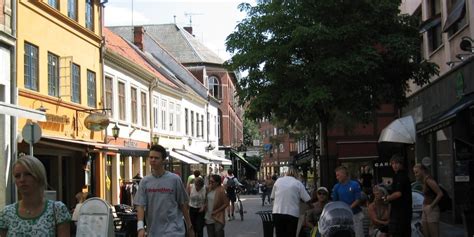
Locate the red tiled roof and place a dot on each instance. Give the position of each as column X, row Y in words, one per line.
column 118, row 45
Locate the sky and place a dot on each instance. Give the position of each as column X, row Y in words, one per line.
column 212, row 20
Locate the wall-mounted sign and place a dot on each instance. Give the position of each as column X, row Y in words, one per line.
column 96, row 121
column 52, row 118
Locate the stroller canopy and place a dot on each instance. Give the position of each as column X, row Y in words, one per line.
column 336, row 216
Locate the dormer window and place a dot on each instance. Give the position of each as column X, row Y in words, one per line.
column 213, row 85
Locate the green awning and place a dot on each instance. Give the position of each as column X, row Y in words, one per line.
column 244, row 160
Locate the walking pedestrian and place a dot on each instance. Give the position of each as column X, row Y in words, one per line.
column 216, row 203
column 231, row 183
column 33, row 215
column 287, row 193
column 432, row 195
column 349, row 191
column 197, row 203
column 400, row 200
column 164, row 196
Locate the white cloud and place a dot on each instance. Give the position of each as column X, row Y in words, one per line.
column 123, row 16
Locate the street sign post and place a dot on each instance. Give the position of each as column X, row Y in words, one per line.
column 31, row 134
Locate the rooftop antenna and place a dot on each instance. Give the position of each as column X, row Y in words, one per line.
column 174, row 19
column 190, row 15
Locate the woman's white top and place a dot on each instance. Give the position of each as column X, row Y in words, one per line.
column 197, row 199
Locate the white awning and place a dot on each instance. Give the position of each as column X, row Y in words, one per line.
column 214, row 158
column 401, row 130
column 18, row 111
column 183, row 158
column 201, row 160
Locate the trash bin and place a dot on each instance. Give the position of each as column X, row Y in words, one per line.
column 267, row 220
column 468, row 219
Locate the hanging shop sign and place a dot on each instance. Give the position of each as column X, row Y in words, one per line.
column 96, row 121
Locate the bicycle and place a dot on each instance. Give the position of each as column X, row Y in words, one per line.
column 239, row 205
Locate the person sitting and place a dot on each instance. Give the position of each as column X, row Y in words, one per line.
column 379, row 213
column 320, row 198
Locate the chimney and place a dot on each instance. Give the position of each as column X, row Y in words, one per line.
column 138, row 36
column 189, row 29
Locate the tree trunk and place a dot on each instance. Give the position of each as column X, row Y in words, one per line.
column 324, row 167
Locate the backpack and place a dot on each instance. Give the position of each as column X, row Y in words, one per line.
column 445, row 203
column 231, row 184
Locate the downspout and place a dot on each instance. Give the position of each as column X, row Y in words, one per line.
column 11, row 189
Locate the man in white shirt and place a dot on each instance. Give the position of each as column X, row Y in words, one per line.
column 287, row 193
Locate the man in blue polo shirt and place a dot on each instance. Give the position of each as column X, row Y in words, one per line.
column 348, row 191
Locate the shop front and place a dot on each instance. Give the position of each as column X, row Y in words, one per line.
column 444, row 112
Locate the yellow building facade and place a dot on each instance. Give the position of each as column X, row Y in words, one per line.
column 59, row 70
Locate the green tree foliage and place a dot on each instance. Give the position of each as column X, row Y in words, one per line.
column 308, row 61
column 251, row 132
column 312, row 62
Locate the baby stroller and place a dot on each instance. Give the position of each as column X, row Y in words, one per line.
column 336, row 220
column 417, row 210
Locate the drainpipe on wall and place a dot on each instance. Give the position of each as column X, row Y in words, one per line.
column 11, row 189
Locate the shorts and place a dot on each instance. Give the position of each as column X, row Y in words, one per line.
column 430, row 215
column 231, row 195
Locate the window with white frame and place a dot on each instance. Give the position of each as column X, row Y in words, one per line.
column 197, row 125
column 213, row 85
column 218, row 125
column 109, row 95
column 192, row 123
column 121, row 104
column 171, row 116
column 186, row 121
column 31, row 66
column 72, row 9
column 53, row 75
column 143, row 108
column 155, row 111
column 134, row 105
column 202, row 126
column 76, row 83
column 91, row 89
column 163, row 114
column 178, row 117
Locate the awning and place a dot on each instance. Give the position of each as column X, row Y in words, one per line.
column 446, row 118
column 244, row 160
column 182, row 158
column 401, row 130
column 430, row 23
column 211, row 157
column 82, row 142
column 458, row 11
column 18, row 111
column 192, row 156
column 134, row 152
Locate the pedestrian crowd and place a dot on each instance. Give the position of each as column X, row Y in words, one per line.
column 171, row 208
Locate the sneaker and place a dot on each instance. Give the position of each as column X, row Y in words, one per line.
column 228, row 218
column 233, row 217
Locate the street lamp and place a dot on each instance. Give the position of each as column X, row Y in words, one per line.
column 115, row 131
column 155, row 139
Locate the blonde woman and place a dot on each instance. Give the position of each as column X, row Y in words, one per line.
column 432, row 195
column 33, row 215
column 379, row 213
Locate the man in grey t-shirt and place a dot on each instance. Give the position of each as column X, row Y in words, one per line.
column 164, row 197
